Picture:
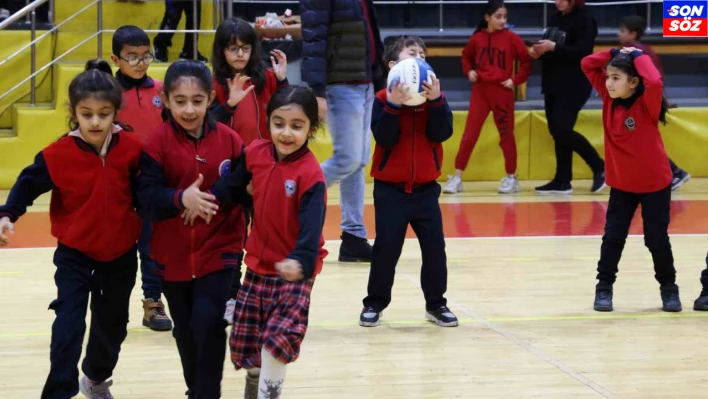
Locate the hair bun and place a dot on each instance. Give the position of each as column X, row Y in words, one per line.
column 101, row 65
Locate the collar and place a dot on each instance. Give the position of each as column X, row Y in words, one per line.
column 129, row 83
column 292, row 157
column 207, row 128
column 628, row 102
column 108, row 143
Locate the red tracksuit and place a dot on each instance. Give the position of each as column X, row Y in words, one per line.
column 635, row 158
column 142, row 105
column 248, row 118
column 492, row 56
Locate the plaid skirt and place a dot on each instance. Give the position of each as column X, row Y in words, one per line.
column 270, row 313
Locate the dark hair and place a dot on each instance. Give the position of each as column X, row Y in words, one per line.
column 227, row 34
column 634, row 24
column 491, row 7
column 395, row 45
column 129, row 35
column 186, row 68
column 625, row 63
column 96, row 81
column 300, row 95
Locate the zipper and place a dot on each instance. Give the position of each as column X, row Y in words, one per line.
column 415, row 111
column 265, row 201
column 192, row 234
column 258, row 114
column 137, row 93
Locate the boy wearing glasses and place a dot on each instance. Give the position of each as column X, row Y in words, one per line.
column 141, row 111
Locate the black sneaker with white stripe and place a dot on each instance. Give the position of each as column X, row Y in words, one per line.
column 680, row 177
column 369, row 317
column 442, row 316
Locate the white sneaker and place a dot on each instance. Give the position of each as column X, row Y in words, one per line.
column 453, row 185
column 229, row 313
column 509, row 185
column 95, row 391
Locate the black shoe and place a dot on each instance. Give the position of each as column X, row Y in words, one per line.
column 442, row 316
column 670, row 298
column 701, row 302
column 354, row 249
column 603, row 298
column 554, row 187
column 188, row 55
column 160, row 53
column 680, row 177
column 598, row 182
column 369, row 317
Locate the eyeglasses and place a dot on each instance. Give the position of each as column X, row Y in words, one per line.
column 235, row 48
column 133, row 61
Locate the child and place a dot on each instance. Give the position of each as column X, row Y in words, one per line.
column 488, row 61
column 142, row 111
column 242, row 81
column 406, row 163
column 631, row 31
column 285, row 250
column 200, row 260
column 637, row 168
column 90, row 172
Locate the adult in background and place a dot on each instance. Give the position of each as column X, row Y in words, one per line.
column 342, row 63
column 173, row 13
column 569, row 37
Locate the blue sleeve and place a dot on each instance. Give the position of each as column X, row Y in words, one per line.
column 222, row 113
column 231, row 189
column 157, row 201
column 311, row 218
column 33, row 181
column 439, row 127
column 385, row 123
column 315, row 16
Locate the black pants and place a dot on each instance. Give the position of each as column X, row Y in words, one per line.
column 109, row 285
column 704, row 278
column 562, row 113
column 394, row 211
column 173, row 13
column 655, row 214
column 197, row 309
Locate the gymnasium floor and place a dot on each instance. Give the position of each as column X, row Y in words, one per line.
column 521, row 280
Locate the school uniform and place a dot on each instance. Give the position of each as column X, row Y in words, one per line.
column 289, row 203
column 198, row 263
column 407, row 159
column 636, row 167
column 93, row 218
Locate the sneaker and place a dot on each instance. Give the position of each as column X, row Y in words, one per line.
column 554, row 187
column 509, row 185
column 453, row 185
column 95, row 391
column 251, row 390
column 701, row 302
column 354, row 249
column 4, row 14
column 680, row 177
column 442, row 316
column 670, row 298
column 189, row 56
column 598, row 182
column 603, row 298
column 154, row 316
column 369, row 317
column 229, row 313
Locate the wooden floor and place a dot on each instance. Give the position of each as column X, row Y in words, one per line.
column 523, row 296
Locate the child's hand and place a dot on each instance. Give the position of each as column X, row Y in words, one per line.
column 249, row 188
column 189, row 217
column 281, row 67
column 290, row 269
column 236, row 92
column 509, row 84
column 399, row 94
column 6, row 228
column 628, row 50
column 198, row 201
column 472, row 76
column 431, row 90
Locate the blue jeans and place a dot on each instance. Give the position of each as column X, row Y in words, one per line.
column 152, row 287
column 349, row 121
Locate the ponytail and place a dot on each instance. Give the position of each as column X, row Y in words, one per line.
column 101, row 65
column 482, row 25
column 664, row 109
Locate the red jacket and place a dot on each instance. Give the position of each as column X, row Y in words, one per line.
column 91, row 209
column 289, row 204
column 248, row 118
column 171, row 162
column 142, row 106
column 409, row 141
column 635, row 158
column 492, row 56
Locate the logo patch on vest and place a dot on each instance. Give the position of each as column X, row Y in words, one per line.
column 225, row 168
column 290, row 187
column 157, row 102
column 629, row 123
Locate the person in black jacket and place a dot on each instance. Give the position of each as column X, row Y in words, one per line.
column 342, row 62
column 569, row 37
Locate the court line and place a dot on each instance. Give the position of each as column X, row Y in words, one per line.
column 526, row 346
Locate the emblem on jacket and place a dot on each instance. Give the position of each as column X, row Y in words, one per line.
column 290, row 187
column 225, row 167
column 157, row 102
column 629, row 123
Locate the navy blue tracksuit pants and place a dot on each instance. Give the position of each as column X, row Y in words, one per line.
column 109, row 285
column 704, row 278
column 197, row 309
column 394, row 211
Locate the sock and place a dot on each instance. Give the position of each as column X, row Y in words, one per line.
column 254, row 372
column 272, row 377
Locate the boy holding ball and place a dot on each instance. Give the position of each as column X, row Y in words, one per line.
column 406, row 164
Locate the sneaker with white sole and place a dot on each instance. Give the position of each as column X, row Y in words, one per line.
column 369, row 317
column 509, row 185
column 453, row 185
column 95, row 390
column 229, row 312
column 442, row 316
